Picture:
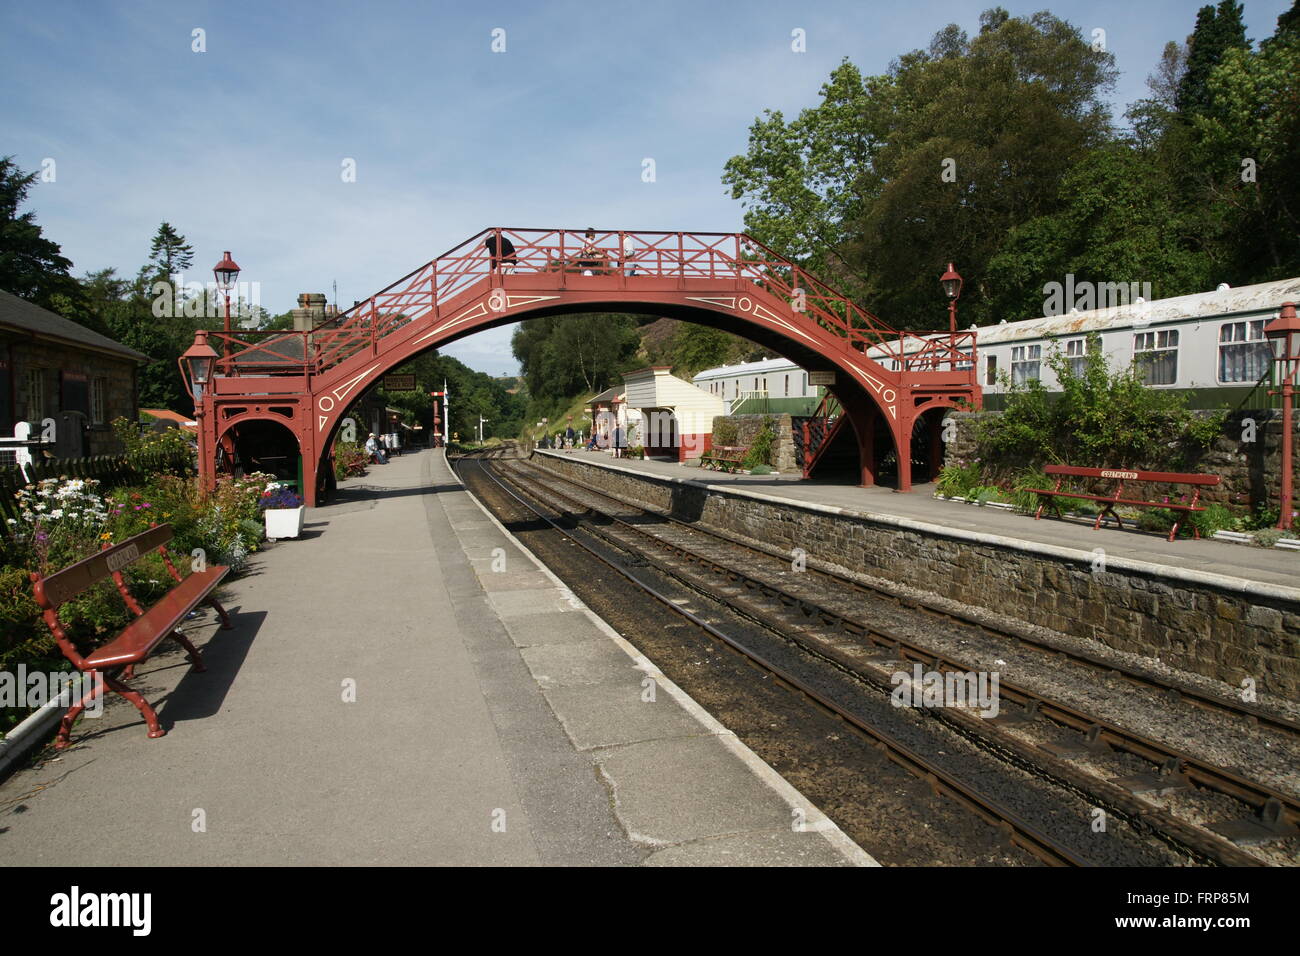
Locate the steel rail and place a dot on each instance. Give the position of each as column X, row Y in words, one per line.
column 1018, row 831
column 1219, row 779
column 1193, row 695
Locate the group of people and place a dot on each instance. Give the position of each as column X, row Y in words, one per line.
column 375, row 449
column 603, row 439
column 591, row 258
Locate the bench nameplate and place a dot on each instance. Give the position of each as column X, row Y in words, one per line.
column 1130, row 475
column 120, row 559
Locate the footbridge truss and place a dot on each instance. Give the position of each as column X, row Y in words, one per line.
column 306, row 380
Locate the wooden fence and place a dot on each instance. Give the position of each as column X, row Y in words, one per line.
column 110, row 471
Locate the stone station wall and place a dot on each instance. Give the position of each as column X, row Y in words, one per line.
column 1220, row 627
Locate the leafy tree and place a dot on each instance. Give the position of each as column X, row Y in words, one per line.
column 170, row 253
column 1217, row 31
column 1121, row 224
column 891, row 176
column 32, row 267
column 1245, row 154
column 562, row 356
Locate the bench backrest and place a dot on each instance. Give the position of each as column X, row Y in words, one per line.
column 1126, row 474
column 64, row 585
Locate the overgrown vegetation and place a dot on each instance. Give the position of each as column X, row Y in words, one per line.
column 1100, row 418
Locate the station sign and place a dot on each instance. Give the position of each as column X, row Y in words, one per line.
column 821, row 378
column 399, row 383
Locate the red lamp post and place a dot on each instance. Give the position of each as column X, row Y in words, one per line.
column 197, row 365
column 1283, row 334
column 951, row 283
column 226, row 272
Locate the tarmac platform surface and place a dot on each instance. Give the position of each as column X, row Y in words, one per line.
column 406, row 685
column 1259, row 566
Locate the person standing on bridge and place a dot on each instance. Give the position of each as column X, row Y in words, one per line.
column 506, row 261
column 628, row 252
column 590, row 254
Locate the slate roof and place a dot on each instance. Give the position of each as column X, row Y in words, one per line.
column 16, row 313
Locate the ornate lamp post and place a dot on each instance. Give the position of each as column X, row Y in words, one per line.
column 1283, row 334
column 226, row 272
column 197, row 365
column 951, row 283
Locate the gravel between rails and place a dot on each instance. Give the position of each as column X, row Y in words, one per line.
column 1215, row 737
column 1041, row 802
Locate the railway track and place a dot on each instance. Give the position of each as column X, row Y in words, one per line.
column 1183, row 837
column 677, row 545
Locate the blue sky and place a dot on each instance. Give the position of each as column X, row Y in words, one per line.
column 241, row 147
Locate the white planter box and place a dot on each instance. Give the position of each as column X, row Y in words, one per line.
column 283, row 522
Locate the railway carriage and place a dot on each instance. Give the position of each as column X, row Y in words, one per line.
column 1209, row 345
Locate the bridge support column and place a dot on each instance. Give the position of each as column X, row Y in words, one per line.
column 903, row 449
column 866, row 433
column 936, row 444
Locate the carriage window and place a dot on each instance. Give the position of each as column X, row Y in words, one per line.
column 1244, row 353
column 990, row 370
column 1025, row 361
column 1157, row 356
column 964, row 364
column 1076, row 353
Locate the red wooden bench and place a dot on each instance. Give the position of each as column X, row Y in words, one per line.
column 138, row 640
column 1121, row 477
column 730, row 458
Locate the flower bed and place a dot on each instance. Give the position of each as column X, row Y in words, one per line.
column 62, row 520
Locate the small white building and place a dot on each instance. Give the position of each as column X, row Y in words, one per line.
column 776, row 384
column 676, row 416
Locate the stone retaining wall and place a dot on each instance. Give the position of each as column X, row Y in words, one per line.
column 1221, row 631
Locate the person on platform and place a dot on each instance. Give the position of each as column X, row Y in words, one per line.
column 375, row 450
column 619, row 441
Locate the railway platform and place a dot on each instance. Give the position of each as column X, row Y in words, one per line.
column 1269, row 569
column 405, row 685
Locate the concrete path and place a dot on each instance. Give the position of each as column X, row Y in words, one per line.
column 1261, row 565
column 405, row 685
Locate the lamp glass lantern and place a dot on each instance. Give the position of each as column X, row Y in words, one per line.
column 951, row 283
column 225, row 272
column 199, row 359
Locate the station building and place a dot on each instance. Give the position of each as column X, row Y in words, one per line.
column 770, row 385
column 676, row 417
column 54, row 368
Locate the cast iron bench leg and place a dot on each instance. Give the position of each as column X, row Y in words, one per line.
column 63, row 738
column 192, row 652
column 142, row 705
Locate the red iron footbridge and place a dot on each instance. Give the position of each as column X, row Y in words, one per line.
column 885, row 381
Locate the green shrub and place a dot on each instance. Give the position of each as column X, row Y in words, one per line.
column 1266, row 537
column 760, row 449
column 725, row 432
column 1214, row 518
column 1099, row 418
column 983, row 494
column 958, row 480
column 1156, row 519
column 1021, row 498
column 1262, row 517
column 761, row 470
